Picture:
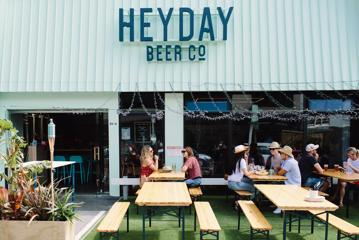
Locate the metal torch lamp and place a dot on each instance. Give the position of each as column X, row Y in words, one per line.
column 51, row 138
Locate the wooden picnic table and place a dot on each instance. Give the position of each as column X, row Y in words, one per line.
column 167, row 176
column 163, row 194
column 342, row 176
column 267, row 178
column 290, row 198
column 346, row 177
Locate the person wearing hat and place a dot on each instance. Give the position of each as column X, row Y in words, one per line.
column 191, row 166
column 237, row 179
column 289, row 169
column 309, row 163
column 352, row 166
column 274, row 160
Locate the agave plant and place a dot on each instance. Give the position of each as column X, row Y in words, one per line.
column 23, row 200
column 37, row 203
column 64, row 209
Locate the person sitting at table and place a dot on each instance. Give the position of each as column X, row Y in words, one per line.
column 289, row 169
column 191, row 166
column 255, row 156
column 274, row 160
column 149, row 163
column 309, row 163
column 238, row 178
column 352, row 166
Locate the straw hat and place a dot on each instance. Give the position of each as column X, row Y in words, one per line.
column 240, row 148
column 311, row 147
column 286, row 150
column 274, row 145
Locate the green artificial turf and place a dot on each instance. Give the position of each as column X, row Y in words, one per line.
column 227, row 218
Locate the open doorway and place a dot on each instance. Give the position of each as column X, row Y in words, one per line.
column 80, row 136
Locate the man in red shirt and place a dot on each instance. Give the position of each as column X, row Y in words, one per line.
column 191, row 166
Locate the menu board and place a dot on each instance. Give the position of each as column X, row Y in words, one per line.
column 142, row 131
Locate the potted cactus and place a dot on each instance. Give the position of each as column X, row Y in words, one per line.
column 26, row 203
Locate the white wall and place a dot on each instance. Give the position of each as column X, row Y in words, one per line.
column 174, row 129
column 114, row 151
column 59, row 46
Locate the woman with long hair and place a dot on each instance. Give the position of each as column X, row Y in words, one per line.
column 149, row 163
column 237, row 180
column 352, row 166
column 191, row 166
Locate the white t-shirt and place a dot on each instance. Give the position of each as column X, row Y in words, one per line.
column 293, row 172
column 354, row 163
column 237, row 175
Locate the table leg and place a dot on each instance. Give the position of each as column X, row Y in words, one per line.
column 326, row 225
column 183, row 212
column 284, row 226
column 346, row 200
column 195, row 220
column 144, row 211
column 150, row 216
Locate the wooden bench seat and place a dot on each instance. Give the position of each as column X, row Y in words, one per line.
column 242, row 193
column 110, row 224
column 344, row 228
column 257, row 221
column 208, row 223
column 195, row 192
column 319, row 192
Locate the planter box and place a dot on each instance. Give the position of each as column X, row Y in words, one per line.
column 39, row 230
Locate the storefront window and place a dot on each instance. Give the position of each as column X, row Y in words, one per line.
column 144, row 125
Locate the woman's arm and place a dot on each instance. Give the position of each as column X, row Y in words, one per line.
column 246, row 172
column 243, row 168
column 153, row 164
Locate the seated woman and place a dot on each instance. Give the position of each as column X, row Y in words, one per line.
column 191, row 166
column 238, row 179
column 149, row 163
column 352, row 167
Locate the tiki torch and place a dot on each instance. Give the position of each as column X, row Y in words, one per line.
column 51, row 137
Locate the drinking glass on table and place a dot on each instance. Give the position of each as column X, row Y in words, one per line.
column 336, row 166
column 325, row 167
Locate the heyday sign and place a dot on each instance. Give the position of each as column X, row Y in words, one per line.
column 186, row 32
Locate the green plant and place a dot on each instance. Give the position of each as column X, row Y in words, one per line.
column 22, row 200
column 37, row 203
column 64, row 209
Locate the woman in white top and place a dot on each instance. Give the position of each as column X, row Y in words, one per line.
column 352, row 167
column 237, row 180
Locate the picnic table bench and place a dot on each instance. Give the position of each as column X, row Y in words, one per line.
column 345, row 228
column 257, row 221
column 110, row 224
column 208, row 223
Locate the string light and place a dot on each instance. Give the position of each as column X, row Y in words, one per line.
column 283, row 114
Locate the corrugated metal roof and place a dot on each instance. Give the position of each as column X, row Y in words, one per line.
column 72, row 45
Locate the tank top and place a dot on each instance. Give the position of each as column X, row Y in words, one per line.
column 146, row 171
